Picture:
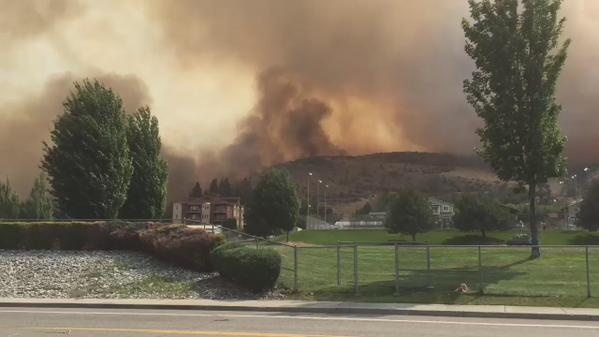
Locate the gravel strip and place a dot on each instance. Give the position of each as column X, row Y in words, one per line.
column 108, row 274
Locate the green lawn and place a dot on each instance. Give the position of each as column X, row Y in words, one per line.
column 331, row 237
column 558, row 278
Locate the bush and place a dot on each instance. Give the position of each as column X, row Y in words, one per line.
column 255, row 269
column 187, row 247
column 55, row 235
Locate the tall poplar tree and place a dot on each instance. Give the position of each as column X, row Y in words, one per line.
column 88, row 161
column 516, row 47
column 146, row 198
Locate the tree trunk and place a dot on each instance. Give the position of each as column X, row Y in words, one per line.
column 534, row 231
column 287, row 236
column 414, row 237
column 484, row 233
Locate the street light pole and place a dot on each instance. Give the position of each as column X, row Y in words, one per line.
column 308, row 205
column 325, row 203
column 318, row 198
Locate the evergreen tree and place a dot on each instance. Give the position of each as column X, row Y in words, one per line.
column 39, row 205
column 88, row 163
column 516, row 47
column 224, row 188
column 146, row 198
column 10, row 206
column 274, row 206
column 213, row 189
column 196, row 191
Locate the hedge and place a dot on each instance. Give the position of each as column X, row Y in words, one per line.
column 55, row 235
column 178, row 244
column 255, row 269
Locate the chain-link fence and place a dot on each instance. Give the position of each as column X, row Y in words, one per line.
column 448, row 270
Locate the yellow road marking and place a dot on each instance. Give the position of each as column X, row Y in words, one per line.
column 176, row 332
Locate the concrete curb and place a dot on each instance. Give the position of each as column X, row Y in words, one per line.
column 324, row 308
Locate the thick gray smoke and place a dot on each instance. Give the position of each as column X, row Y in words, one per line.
column 284, row 125
column 334, row 76
column 405, row 57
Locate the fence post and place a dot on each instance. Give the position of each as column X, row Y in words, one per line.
column 428, row 267
column 480, row 271
column 295, row 287
column 356, row 280
column 338, row 265
column 586, row 251
column 396, row 269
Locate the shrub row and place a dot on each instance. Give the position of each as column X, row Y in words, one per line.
column 255, row 269
column 178, row 244
column 55, row 235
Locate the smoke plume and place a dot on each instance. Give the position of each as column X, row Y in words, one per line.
column 240, row 85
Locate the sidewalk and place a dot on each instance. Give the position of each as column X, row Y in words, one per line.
column 488, row 311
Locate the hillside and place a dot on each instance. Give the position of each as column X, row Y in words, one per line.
column 353, row 180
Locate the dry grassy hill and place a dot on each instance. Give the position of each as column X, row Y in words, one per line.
column 354, row 179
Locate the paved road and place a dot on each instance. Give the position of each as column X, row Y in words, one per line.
column 21, row 322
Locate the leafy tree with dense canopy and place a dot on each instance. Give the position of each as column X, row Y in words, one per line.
column 516, row 47
column 477, row 212
column 39, row 205
column 410, row 213
column 146, row 198
column 274, row 206
column 588, row 217
column 10, row 207
column 89, row 163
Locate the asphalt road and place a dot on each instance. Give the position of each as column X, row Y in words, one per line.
column 27, row 322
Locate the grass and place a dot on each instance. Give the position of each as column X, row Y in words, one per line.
column 558, row 278
column 332, row 237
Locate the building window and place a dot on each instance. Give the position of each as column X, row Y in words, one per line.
column 446, row 208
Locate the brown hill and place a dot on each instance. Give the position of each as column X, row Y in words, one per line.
column 353, row 180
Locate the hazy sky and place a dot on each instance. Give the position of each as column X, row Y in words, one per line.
column 241, row 84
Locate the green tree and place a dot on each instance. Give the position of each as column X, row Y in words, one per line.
column 515, row 45
column 146, row 198
column 39, row 204
column 476, row 212
column 588, row 217
column 274, row 206
column 88, row 163
column 10, row 206
column 196, row 191
column 410, row 213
